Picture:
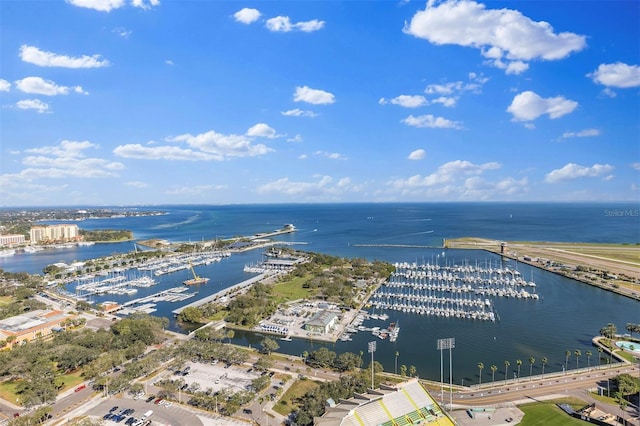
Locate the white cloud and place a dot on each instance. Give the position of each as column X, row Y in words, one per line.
column 262, row 130
column 635, row 166
column 618, row 75
column 209, row 146
column 5, row 86
column 418, row 154
column 66, row 159
column 574, row 171
column 188, row 190
column 313, row 96
column 406, row 101
column 324, row 187
column 36, row 104
column 168, row 62
column 297, row 112
column 459, row 179
column 609, row 93
column 145, row 4
column 505, row 37
column 586, row 133
column 122, row 32
column 452, row 91
column 100, row 5
column 446, row 101
column 33, row 55
column 296, row 138
column 137, row 184
column 284, row 24
column 330, row 155
column 39, row 86
column 163, row 153
column 247, row 15
column 431, row 121
column 528, row 106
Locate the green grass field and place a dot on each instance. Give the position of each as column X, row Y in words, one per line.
column 8, row 388
column 299, row 388
column 548, row 414
column 291, row 290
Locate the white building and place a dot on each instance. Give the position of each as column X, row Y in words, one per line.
column 54, row 233
column 11, row 239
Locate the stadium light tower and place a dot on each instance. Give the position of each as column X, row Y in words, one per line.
column 371, row 350
column 448, row 343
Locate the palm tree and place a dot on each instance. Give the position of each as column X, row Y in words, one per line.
column 494, row 368
column 588, row 354
column 609, row 331
column 396, row 369
column 531, row 361
column 567, row 354
column 412, row 370
column 631, row 328
column 506, row 366
column 577, row 353
column 519, row 363
column 403, row 370
column 544, row 361
column 480, row 367
column 600, row 350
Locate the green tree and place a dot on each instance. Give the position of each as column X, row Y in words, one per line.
column 543, row 361
column 567, row 354
column 588, row 354
column 269, row 345
column 412, row 370
column 609, row 331
column 578, row 354
column 531, row 361
column 403, row 370
column 518, row 363
column 506, row 366
column 480, row 367
column 494, row 368
column 631, row 328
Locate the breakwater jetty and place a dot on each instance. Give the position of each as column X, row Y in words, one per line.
column 234, row 288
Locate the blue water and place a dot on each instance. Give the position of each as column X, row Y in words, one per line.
column 566, row 317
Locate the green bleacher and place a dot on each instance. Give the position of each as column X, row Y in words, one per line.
column 415, row 417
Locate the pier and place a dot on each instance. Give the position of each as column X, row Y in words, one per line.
column 214, row 296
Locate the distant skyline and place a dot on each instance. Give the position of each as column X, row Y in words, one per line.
column 130, row 102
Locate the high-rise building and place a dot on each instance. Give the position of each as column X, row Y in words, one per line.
column 54, row 233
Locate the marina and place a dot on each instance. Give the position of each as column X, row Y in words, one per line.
column 450, row 291
column 148, row 304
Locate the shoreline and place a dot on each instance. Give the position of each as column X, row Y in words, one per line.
column 561, row 258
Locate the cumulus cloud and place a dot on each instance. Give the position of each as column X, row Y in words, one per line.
column 109, row 5
column 635, row 166
column 324, row 187
column 67, row 159
column 40, row 86
column 33, row 55
column 330, row 155
column 262, row 130
column 505, row 37
column 618, row 75
column 573, row 171
column 209, row 146
column 431, row 121
column 284, row 24
column 406, row 101
column 188, row 190
column 137, row 184
column 313, row 96
column 297, row 112
column 35, row 104
column 296, row 138
column 586, row 133
column 528, row 106
column 459, row 179
column 122, row 32
column 5, row 86
column 418, row 154
column 247, row 15
column 449, row 93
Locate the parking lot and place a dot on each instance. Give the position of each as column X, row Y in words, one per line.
column 216, row 377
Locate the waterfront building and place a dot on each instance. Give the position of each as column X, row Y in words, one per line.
column 321, row 322
column 31, row 325
column 54, row 233
column 11, row 239
column 406, row 403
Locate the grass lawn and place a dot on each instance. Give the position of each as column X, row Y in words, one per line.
column 8, row 388
column 72, row 380
column 548, row 414
column 298, row 389
column 292, row 290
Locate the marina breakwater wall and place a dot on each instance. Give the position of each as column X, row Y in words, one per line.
column 221, row 293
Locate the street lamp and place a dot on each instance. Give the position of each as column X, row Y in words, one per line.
column 371, row 349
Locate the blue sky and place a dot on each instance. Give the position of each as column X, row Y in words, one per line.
column 107, row 102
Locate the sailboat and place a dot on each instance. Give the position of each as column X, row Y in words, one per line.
column 196, row 279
